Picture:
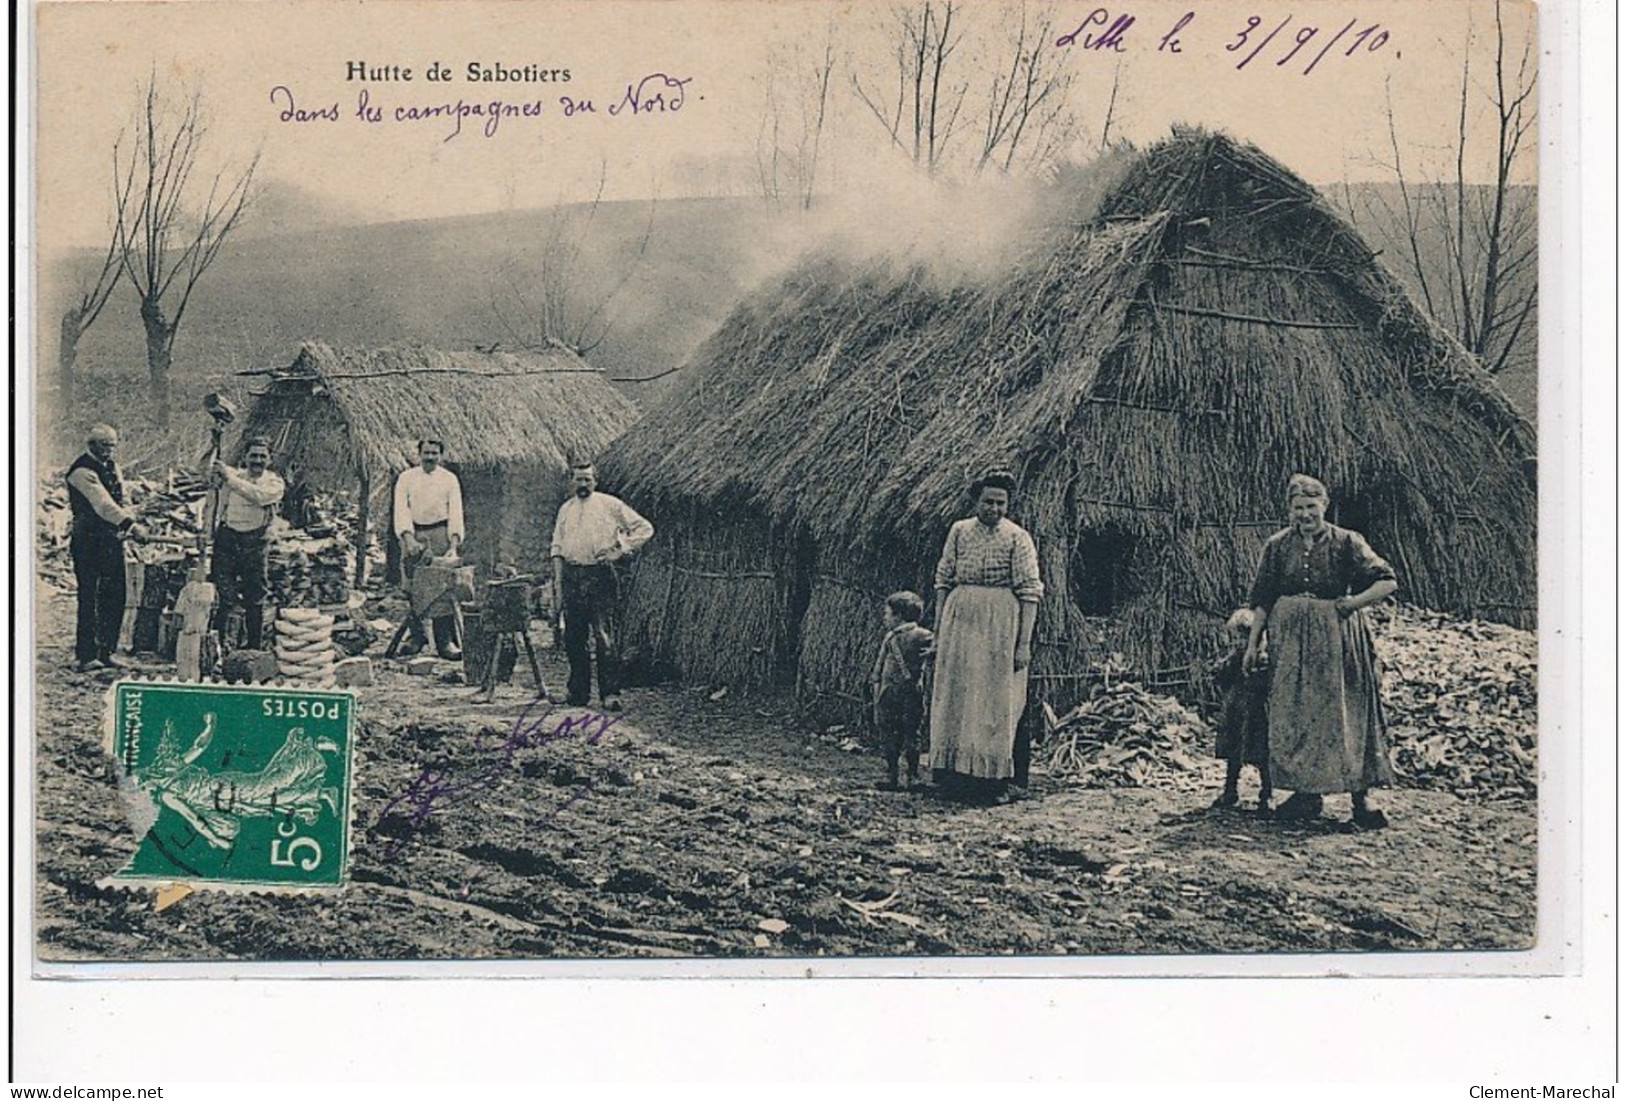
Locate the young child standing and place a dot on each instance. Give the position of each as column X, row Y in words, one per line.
column 1243, row 729
column 899, row 703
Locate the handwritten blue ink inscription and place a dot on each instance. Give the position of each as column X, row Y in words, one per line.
column 437, row 788
column 656, row 95
column 1288, row 42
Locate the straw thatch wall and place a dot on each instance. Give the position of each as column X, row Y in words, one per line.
column 711, row 598
column 1155, row 365
column 349, row 419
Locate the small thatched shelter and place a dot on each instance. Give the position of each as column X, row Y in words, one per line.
column 1176, row 341
column 349, row 419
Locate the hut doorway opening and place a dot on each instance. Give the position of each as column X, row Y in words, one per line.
column 1099, row 580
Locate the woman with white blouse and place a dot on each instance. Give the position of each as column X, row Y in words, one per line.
column 987, row 589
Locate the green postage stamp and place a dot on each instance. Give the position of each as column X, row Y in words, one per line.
column 235, row 787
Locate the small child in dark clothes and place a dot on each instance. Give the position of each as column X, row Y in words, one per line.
column 899, row 702
column 1243, row 726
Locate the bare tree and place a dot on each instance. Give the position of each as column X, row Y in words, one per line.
column 1111, row 107
column 169, row 229
column 795, row 112
column 949, row 74
column 921, row 114
column 1470, row 250
column 1028, row 115
column 91, row 295
column 555, row 306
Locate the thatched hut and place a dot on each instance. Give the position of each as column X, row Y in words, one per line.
column 349, row 420
column 1170, row 348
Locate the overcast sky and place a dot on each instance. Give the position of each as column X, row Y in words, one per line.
column 1329, row 125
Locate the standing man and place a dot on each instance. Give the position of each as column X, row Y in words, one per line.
column 593, row 532
column 248, row 502
column 429, row 524
column 101, row 523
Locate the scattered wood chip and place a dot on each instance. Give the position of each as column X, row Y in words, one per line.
column 772, row 925
column 169, row 895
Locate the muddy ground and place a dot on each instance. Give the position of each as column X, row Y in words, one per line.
column 697, row 827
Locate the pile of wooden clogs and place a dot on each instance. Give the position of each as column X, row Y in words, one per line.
column 304, row 646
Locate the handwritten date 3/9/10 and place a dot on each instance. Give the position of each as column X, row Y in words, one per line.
column 656, row 95
column 1288, row 42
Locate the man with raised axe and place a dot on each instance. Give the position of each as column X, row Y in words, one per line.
column 101, row 523
column 593, row 532
column 429, row 524
column 248, row 503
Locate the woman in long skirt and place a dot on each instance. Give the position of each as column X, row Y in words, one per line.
column 1327, row 733
column 987, row 589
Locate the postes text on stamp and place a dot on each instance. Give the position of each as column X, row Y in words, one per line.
column 235, row 786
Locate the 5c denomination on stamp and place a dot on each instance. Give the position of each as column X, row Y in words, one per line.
column 235, row 787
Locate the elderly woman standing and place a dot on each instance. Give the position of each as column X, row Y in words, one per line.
column 987, row 591
column 1325, row 719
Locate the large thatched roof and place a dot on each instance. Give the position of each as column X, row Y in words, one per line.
column 491, row 408
column 1155, row 367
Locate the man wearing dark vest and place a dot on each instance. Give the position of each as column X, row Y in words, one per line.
column 248, row 502
column 101, row 523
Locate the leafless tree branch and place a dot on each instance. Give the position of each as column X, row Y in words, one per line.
column 166, row 235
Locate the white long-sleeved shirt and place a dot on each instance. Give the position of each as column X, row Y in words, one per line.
column 85, row 481
column 248, row 503
column 589, row 528
column 424, row 498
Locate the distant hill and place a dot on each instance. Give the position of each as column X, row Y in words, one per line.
column 666, row 273
column 450, row 282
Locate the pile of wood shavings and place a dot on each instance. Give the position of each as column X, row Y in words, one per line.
column 1459, row 697
column 1126, row 736
column 1460, row 700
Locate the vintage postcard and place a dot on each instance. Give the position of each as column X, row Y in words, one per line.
column 919, row 488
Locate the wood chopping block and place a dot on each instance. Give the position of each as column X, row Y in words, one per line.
column 353, row 672
column 507, row 604
column 250, row 667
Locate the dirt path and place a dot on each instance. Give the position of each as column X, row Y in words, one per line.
column 687, row 827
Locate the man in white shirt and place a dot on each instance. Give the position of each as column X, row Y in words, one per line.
column 248, row 503
column 429, row 524
column 593, row 532
column 101, row 523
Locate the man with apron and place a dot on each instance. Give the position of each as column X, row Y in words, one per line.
column 248, row 502
column 429, row 524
